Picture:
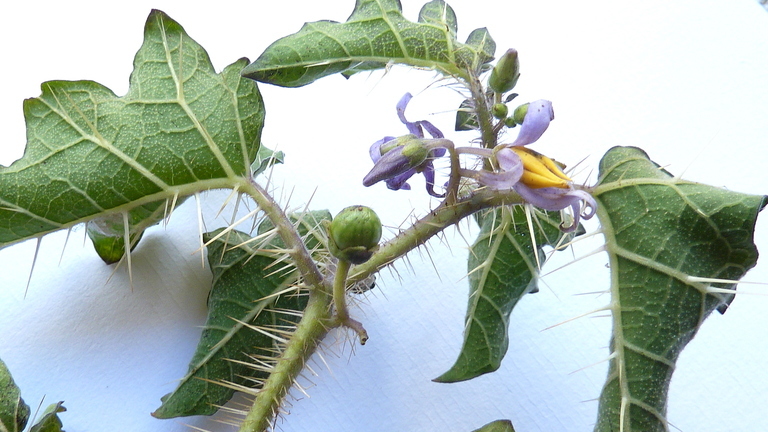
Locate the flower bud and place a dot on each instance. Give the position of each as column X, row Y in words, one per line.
column 506, row 72
column 399, row 156
column 519, row 114
column 499, row 110
column 354, row 234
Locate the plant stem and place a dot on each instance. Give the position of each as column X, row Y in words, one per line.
column 484, row 118
column 297, row 250
column 310, row 330
column 340, row 302
column 422, row 230
column 340, row 290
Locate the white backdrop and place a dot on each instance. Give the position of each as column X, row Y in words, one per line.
column 684, row 80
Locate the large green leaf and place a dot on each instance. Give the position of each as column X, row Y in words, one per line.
column 246, row 282
column 180, row 128
column 503, row 266
column 374, row 36
column 14, row 413
column 661, row 234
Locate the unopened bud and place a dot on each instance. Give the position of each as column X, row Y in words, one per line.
column 499, row 110
column 506, row 72
column 519, row 114
column 354, row 234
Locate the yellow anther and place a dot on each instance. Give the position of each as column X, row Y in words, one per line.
column 540, row 171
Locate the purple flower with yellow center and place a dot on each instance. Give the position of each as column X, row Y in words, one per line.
column 397, row 159
column 538, row 179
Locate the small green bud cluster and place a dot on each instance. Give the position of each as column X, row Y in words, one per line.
column 354, row 234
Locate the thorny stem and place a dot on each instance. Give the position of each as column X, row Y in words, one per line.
column 437, row 220
column 484, row 119
column 297, row 250
column 310, row 330
column 340, row 301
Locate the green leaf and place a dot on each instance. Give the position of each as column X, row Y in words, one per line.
column 497, row 426
column 50, row 421
column 374, row 36
column 660, row 233
column 108, row 232
column 180, row 129
column 502, row 268
column 465, row 117
column 14, row 413
column 265, row 158
column 246, row 294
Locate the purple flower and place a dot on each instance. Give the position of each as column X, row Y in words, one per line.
column 398, row 159
column 538, row 179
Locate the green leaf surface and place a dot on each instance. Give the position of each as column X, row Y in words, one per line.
column 50, row 421
column 14, row 413
column 373, row 37
column 265, row 158
column 181, row 128
column 503, row 267
column 244, row 294
column 107, row 233
column 660, row 232
column 497, row 426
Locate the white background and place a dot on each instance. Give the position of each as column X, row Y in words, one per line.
column 684, row 80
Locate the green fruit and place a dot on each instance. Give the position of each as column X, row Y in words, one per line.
column 354, row 234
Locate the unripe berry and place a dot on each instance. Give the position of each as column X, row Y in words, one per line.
column 354, row 234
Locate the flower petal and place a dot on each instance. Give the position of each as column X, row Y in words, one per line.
column 413, row 127
column 536, row 121
column 375, row 150
column 429, row 176
column 511, row 170
column 554, row 199
column 392, row 164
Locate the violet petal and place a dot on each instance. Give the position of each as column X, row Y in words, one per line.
column 536, row 121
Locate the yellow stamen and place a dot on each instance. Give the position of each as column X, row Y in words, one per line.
column 540, row 171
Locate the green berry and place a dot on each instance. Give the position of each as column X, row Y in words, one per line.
column 354, row 234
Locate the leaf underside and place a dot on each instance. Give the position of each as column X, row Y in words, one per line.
column 244, row 295
column 373, row 37
column 503, row 267
column 180, row 128
column 660, row 231
column 14, row 413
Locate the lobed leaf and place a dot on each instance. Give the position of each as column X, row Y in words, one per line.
column 245, row 294
column 373, row 37
column 251, row 289
column 660, row 232
column 50, row 421
column 14, row 413
column 503, row 266
column 181, row 128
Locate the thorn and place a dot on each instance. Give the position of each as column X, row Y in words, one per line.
column 127, row 247
column 594, row 252
column 602, row 309
column 200, row 227
column 34, row 261
column 66, row 240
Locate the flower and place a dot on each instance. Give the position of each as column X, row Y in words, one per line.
column 538, row 179
column 398, row 159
